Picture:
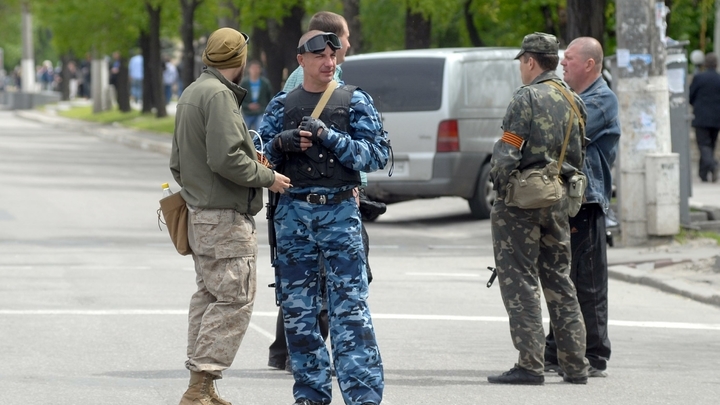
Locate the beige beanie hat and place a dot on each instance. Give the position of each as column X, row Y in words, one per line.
column 226, row 48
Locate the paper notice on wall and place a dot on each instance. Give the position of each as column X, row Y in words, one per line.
column 648, row 141
column 676, row 80
column 623, row 58
column 647, row 131
column 647, row 123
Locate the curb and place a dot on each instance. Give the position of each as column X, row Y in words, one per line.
column 115, row 133
column 664, row 282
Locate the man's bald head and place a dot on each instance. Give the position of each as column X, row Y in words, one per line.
column 306, row 36
column 589, row 48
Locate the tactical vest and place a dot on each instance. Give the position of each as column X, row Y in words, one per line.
column 318, row 166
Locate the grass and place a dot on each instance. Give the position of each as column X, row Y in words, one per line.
column 687, row 235
column 133, row 119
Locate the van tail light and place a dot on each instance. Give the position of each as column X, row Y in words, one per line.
column 447, row 137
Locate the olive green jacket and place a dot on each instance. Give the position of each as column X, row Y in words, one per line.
column 213, row 156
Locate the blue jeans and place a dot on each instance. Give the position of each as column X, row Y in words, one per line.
column 136, row 89
column 253, row 121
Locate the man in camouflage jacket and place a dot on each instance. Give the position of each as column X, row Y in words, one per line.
column 532, row 246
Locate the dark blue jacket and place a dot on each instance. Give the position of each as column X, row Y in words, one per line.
column 705, row 99
column 603, row 130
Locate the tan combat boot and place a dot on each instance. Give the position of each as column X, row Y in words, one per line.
column 201, row 391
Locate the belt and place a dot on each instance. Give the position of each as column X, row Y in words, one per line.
column 323, row 199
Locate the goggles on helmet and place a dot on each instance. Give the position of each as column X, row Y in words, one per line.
column 319, row 42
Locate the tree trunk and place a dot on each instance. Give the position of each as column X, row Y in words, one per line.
column 65, row 77
column 281, row 45
column 187, row 33
column 147, row 102
column 585, row 19
column 351, row 11
column 154, row 65
column 417, row 30
column 122, row 88
column 550, row 26
column 470, row 25
column 233, row 19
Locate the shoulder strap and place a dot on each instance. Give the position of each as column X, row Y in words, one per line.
column 575, row 109
column 324, row 99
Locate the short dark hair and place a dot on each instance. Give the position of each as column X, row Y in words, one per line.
column 547, row 61
column 327, row 21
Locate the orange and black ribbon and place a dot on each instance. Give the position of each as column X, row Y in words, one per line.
column 512, row 139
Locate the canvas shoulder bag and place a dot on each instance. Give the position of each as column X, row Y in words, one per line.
column 175, row 212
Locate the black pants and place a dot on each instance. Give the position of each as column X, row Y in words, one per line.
column 590, row 274
column 278, row 348
column 706, row 139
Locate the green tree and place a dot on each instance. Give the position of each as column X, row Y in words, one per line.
column 276, row 27
column 10, row 34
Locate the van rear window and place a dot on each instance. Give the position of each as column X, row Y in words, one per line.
column 398, row 84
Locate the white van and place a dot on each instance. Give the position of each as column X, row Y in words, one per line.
column 443, row 110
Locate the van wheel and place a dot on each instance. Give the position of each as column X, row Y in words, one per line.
column 482, row 201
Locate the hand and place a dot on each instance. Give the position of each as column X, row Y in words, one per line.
column 316, row 127
column 281, row 183
column 288, row 141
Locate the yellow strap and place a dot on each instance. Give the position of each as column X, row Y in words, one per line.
column 581, row 123
column 324, row 99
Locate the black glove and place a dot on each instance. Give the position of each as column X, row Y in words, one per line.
column 288, row 141
column 314, row 126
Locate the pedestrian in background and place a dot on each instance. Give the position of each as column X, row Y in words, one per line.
column 136, row 74
column 705, row 99
column 318, row 219
column 85, row 76
column 170, row 77
column 213, row 159
column 532, row 246
column 259, row 95
column 582, row 67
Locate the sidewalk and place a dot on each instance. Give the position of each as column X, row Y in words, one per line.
column 691, row 270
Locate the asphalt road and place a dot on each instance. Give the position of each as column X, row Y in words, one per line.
column 93, row 298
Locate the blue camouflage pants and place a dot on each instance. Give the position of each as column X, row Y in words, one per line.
column 305, row 231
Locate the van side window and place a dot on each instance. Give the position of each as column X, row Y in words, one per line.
column 398, row 84
column 490, row 84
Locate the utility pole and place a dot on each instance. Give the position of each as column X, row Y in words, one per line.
column 716, row 39
column 649, row 172
column 27, row 65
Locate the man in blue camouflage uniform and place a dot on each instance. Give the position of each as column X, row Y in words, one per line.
column 319, row 216
column 532, row 246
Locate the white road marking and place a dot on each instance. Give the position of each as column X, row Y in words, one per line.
column 262, row 331
column 443, row 274
column 405, row 317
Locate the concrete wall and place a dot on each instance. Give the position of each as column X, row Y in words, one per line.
column 18, row 100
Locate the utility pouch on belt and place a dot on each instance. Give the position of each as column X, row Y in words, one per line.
column 576, row 192
column 175, row 212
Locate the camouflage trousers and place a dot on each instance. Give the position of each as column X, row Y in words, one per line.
column 305, row 232
column 532, row 248
column 224, row 245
